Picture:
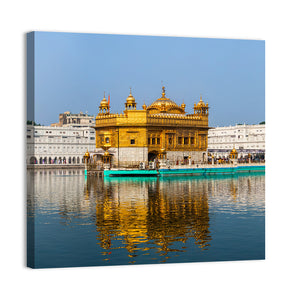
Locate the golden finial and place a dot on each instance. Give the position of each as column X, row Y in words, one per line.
column 103, row 100
column 144, row 106
column 183, row 105
column 163, row 91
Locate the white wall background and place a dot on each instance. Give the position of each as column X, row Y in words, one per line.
column 275, row 21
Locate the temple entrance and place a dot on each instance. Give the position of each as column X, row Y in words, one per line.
column 185, row 160
column 152, row 155
column 106, row 160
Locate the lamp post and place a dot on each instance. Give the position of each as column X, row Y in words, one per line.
column 161, row 157
column 105, row 146
column 233, row 156
column 118, row 147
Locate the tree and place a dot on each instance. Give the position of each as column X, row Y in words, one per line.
column 32, row 123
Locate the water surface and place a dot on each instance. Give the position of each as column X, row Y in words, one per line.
column 89, row 221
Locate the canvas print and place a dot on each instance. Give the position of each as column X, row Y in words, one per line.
column 144, row 150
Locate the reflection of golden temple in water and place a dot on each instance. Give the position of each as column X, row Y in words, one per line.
column 151, row 216
column 139, row 211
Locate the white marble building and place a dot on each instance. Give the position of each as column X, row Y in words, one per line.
column 58, row 145
column 244, row 138
column 79, row 120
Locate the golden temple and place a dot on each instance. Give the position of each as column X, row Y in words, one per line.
column 161, row 130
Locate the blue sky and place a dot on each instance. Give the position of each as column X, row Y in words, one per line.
column 73, row 70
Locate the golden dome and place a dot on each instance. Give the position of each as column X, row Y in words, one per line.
column 130, row 102
column 130, row 99
column 87, row 154
column 233, row 151
column 165, row 105
column 104, row 102
column 200, row 103
column 201, row 108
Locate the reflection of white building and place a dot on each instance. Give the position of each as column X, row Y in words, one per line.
column 58, row 145
column 245, row 138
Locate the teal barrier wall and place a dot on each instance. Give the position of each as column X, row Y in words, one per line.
column 187, row 171
column 211, row 171
column 130, row 173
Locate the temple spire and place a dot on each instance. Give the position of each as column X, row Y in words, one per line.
column 163, row 92
column 144, row 106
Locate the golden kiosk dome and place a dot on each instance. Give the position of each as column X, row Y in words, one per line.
column 130, row 102
column 130, row 98
column 233, row 154
column 104, row 106
column 165, row 105
column 104, row 102
column 201, row 108
column 201, row 102
column 86, row 156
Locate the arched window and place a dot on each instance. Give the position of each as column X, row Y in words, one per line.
column 41, row 161
column 78, row 160
column 45, row 160
column 70, row 160
column 50, row 160
column 33, row 160
column 74, row 160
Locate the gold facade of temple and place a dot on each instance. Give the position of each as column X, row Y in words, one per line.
column 162, row 128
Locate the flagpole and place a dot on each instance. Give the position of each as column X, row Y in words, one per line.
column 108, row 102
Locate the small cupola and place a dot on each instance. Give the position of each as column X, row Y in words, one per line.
column 130, row 102
column 104, row 106
column 201, row 108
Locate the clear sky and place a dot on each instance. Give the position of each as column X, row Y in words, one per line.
column 73, row 70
